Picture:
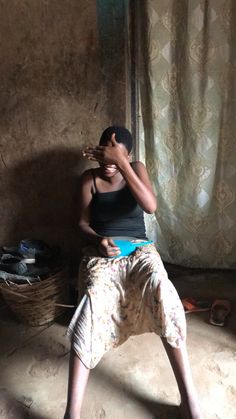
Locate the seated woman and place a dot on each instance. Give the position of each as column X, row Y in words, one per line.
column 125, row 295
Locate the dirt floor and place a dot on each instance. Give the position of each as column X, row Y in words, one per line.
column 133, row 381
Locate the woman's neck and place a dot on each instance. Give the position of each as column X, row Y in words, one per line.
column 108, row 184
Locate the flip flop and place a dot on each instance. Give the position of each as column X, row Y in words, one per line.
column 220, row 309
column 192, row 306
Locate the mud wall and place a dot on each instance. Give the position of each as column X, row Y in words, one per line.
column 63, row 78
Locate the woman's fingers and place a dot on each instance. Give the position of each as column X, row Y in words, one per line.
column 113, row 139
column 108, row 248
column 94, row 149
column 111, row 242
column 113, row 250
column 104, row 154
column 93, row 154
column 90, row 157
column 110, row 252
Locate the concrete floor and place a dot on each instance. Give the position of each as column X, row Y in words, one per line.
column 133, row 381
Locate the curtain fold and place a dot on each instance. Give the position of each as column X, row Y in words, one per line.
column 187, row 128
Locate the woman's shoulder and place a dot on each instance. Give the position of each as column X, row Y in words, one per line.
column 88, row 174
column 87, row 180
column 86, row 177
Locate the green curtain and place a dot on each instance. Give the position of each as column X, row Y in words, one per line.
column 187, row 127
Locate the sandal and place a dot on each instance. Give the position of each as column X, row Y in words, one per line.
column 220, row 309
column 192, row 306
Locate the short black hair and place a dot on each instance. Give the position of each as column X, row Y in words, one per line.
column 122, row 136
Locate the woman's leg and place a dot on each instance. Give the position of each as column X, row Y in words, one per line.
column 179, row 361
column 78, row 377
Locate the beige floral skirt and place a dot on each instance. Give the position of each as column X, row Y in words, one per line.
column 124, row 296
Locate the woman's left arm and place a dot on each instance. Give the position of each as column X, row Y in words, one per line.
column 138, row 181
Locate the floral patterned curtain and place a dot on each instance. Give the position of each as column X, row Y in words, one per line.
column 186, row 70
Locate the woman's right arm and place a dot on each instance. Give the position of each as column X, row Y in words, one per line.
column 87, row 234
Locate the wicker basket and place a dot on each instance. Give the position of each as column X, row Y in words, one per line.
column 38, row 303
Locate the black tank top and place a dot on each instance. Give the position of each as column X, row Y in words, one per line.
column 116, row 213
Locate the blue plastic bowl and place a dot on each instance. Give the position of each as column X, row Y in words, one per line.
column 127, row 247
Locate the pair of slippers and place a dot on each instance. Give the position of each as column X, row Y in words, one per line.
column 219, row 309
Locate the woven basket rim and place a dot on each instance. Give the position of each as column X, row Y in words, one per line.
column 38, row 303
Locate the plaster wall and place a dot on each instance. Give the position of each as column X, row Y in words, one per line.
column 62, row 72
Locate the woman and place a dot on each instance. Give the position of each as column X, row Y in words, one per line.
column 126, row 295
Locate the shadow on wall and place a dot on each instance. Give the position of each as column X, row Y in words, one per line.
column 44, row 194
column 63, row 81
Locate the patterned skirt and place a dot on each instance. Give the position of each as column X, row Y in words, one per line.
column 124, row 296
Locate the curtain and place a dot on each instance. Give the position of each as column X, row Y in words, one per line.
column 186, row 63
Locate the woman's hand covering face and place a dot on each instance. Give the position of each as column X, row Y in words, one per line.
column 112, row 153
